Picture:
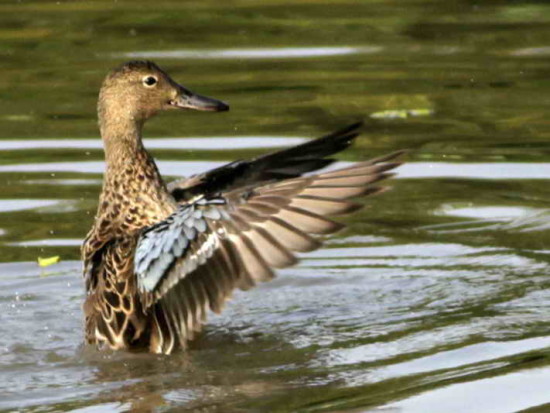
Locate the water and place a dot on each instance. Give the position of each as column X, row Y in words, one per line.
column 435, row 299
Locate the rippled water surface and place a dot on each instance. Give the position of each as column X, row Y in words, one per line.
column 435, row 299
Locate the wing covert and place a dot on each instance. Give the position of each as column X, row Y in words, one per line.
column 160, row 245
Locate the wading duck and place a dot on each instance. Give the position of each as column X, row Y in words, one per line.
column 159, row 256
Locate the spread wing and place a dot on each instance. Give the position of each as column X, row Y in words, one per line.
column 192, row 261
column 284, row 164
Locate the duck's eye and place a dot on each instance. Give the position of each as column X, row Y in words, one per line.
column 149, row 81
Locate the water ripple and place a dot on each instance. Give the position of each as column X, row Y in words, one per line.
column 416, row 170
column 508, row 393
column 204, row 143
column 254, row 53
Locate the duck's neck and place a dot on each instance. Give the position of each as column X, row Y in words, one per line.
column 134, row 194
column 122, row 142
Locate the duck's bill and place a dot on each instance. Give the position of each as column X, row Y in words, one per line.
column 190, row 100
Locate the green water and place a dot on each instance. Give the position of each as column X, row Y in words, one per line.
column 435, row 299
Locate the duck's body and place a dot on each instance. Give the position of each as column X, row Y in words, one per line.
column 159, row 257
column 133, row 197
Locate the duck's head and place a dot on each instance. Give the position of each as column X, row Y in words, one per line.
column 140, row 89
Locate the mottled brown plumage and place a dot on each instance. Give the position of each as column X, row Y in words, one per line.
column 158, row 258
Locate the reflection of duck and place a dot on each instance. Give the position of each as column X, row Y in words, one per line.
column 198, row 380
column 158, row 257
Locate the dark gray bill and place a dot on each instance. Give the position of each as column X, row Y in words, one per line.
column 190, row 100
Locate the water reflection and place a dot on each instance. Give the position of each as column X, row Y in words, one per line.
column 531, row 51
column 258, row 53
column 496, row 213
column 50, row 242
column 9, row 205
column 524, row 389
column 205, row 143
column 476, row 353
column 425, row 170
column 500, row 170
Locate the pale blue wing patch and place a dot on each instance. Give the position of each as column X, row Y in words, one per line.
column 160, row 245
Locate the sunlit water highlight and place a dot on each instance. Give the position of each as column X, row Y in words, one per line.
column 258, row 53
column 206, row 143
column 418, row 170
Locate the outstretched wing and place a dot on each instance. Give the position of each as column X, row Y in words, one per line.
column 192, row 261
column 284, row 164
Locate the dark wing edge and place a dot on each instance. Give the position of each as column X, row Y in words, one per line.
column 241, row 239
column 284, row 164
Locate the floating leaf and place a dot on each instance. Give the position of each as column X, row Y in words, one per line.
column 401, row 113
column 46, row 262
column 390, row 114
column 421, row 112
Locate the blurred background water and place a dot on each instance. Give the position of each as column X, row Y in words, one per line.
column 435, row 299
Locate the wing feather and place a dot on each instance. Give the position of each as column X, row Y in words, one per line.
column 284, row 164
column 320, row 205
column 191, row 262
column 309, row 222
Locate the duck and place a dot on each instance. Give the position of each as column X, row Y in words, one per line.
column 160, row 256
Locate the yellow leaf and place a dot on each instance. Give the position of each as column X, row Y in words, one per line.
column 390, row 114
column 401, row 113
column 45, row 262
column 421, row 112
